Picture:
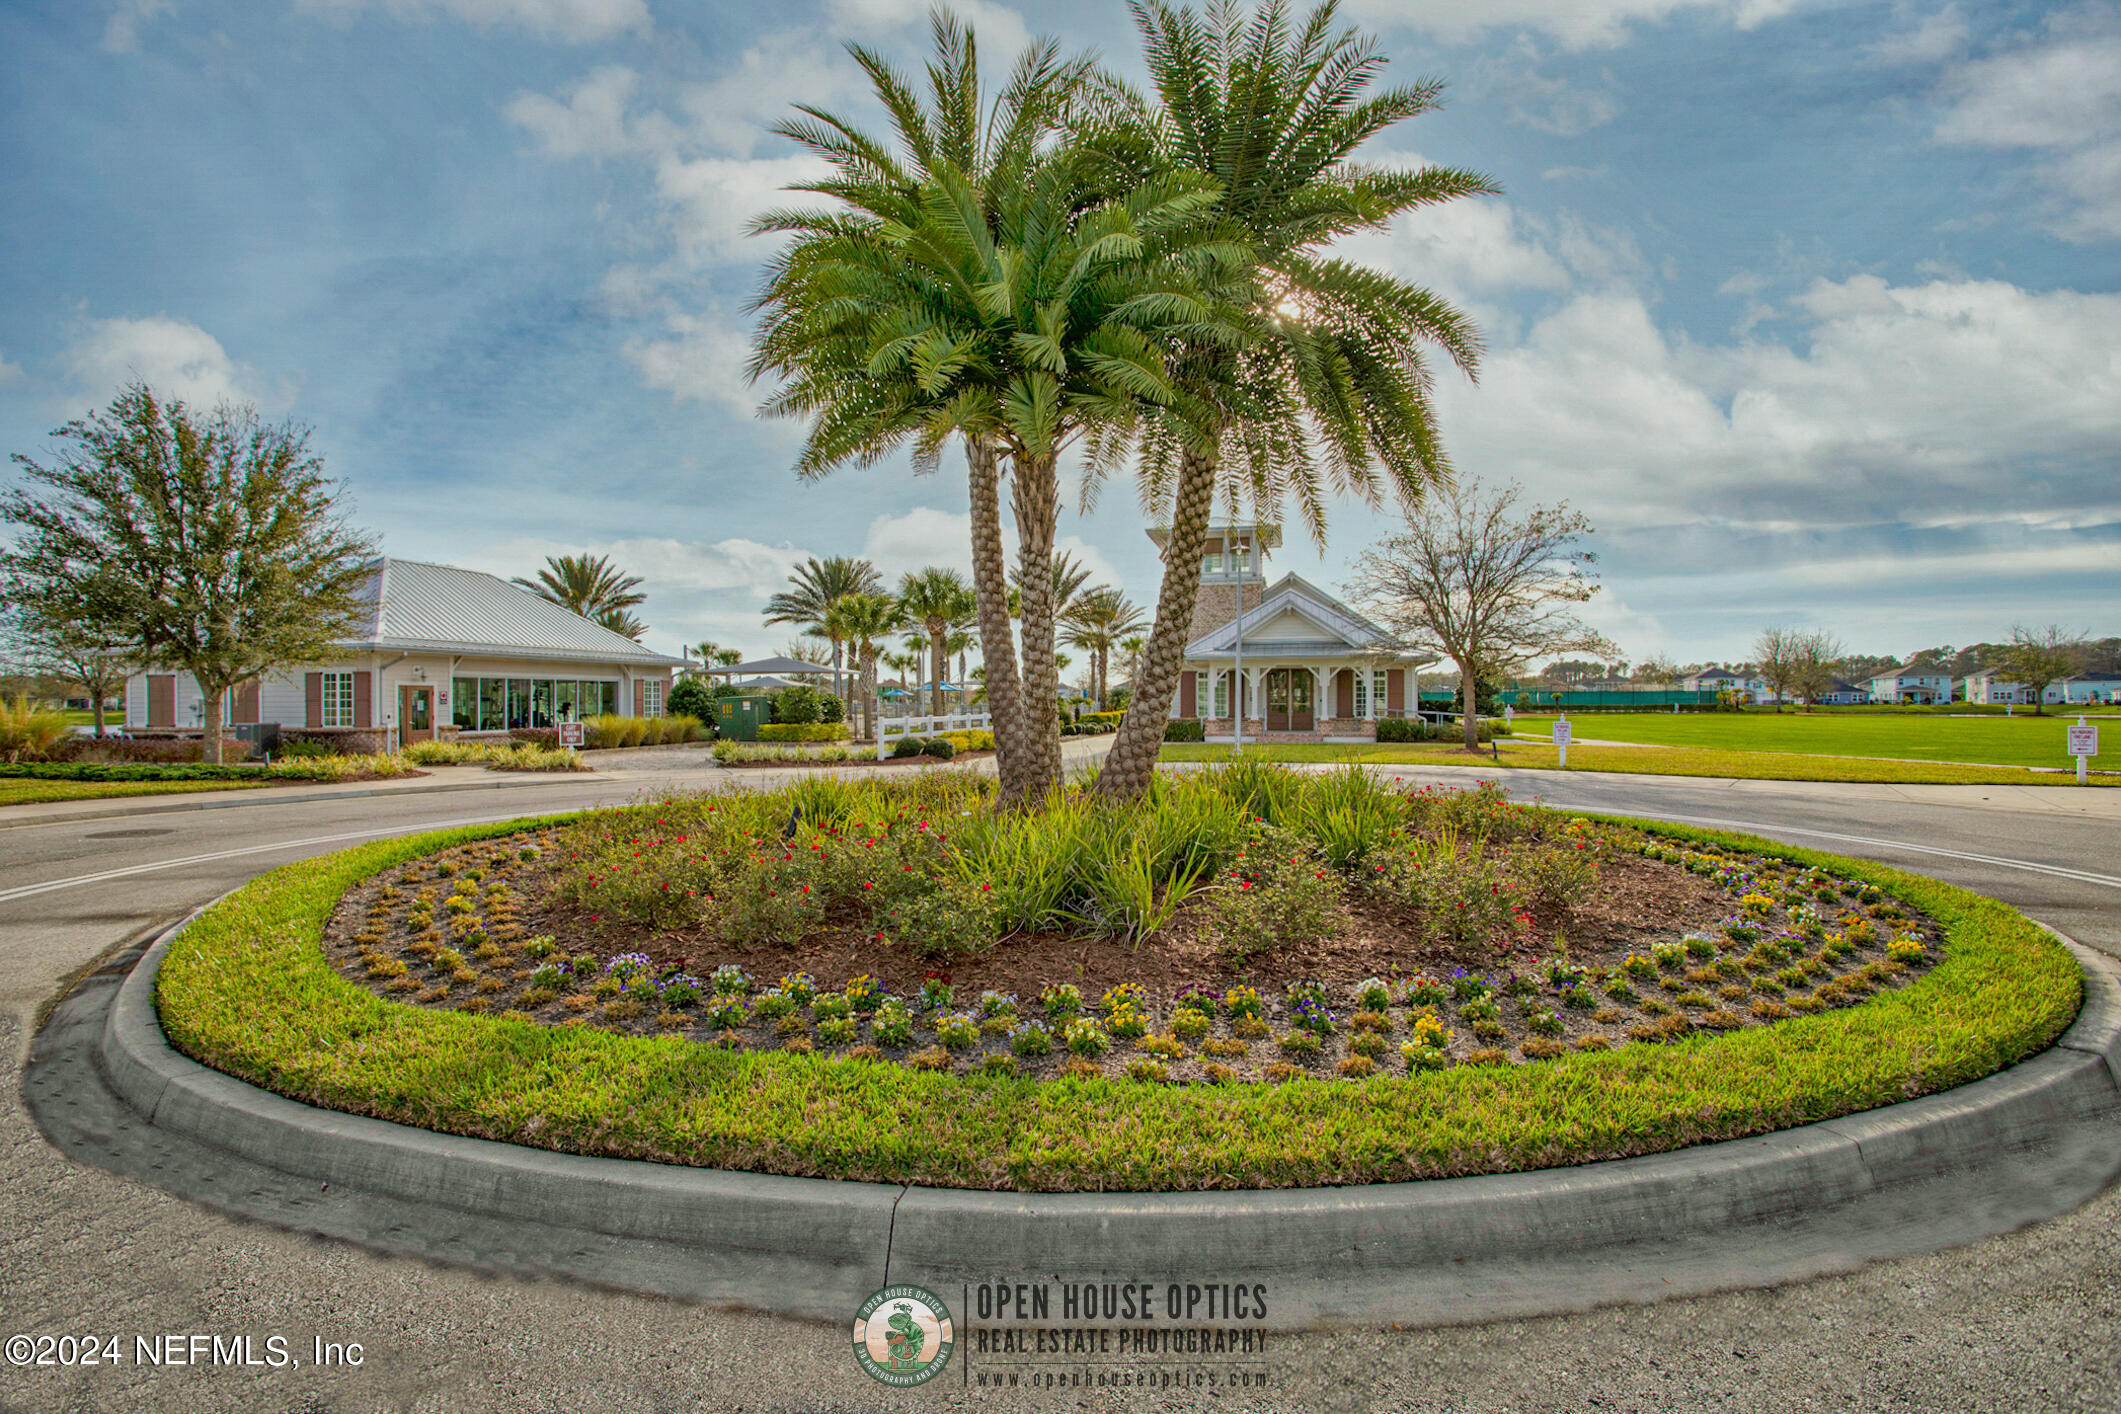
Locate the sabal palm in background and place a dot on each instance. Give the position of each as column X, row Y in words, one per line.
column 864, row 622
column 935, row 599
column 592, row 587
column 1097, row 621
column 813, row 587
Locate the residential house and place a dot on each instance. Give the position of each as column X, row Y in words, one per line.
column 1750, row 687
column 1921, row 684
column 436, row 651
column 1842, row 693
column 1990, row 688
column 2086, row 688
column 1293, row 660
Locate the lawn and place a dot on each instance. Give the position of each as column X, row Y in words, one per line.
column 2022, row 740
column 1650, row 761
column 30, row 792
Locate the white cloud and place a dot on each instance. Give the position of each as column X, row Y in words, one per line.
column 175, row 357
column 121, row 33
column 1576, row 24
column 2059, row 94
column 999, row 29
column 701, row 360
column 591, row 123
column 574, row 21
column 1940, row 35
column 1935, row 394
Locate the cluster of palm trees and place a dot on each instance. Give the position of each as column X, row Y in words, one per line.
column 842, row 600
column 1068, row 264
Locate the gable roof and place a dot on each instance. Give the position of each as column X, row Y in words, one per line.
column 411, row 606
column 1342, row 630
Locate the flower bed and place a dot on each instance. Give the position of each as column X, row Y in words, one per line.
column 819, row 1075
column 1441, row 928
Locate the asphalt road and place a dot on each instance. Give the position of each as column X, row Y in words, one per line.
column 2028, row 1321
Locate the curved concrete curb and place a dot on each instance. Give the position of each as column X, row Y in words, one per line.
column 2031, row 1142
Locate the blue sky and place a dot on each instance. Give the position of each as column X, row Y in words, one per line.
column 1814, row 308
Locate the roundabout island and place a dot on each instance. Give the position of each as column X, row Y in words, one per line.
column 1413, row 1056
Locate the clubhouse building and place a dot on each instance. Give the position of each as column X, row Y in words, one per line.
column 1297, row 663
column 437, row 652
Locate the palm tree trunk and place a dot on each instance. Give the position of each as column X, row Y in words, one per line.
column 939, row 666
column 990, row 590
column 1036, row 502
column 1132, row 760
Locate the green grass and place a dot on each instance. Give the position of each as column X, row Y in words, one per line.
column 248, row 990
column 1647, row 761
column 2022, row 740
column 40, row 792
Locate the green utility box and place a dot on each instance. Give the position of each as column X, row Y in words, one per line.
column 739, row 718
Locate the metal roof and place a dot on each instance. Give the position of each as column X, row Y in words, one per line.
column 772, row 667
column 416, row 607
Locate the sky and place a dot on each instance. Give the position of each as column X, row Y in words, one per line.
column 1813, row 307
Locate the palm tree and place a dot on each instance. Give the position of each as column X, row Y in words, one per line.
column 935, row 598
column 1132, row 646
column 990, row 286
column 813, row 586
column 863, row 621
column 1096, row 623
column 593, row 588
column 1334, row 357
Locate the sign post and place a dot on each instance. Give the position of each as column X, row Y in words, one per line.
column 2083, row 744
column 572, row 735
column 1561, row 740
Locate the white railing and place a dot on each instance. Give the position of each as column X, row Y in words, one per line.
column 892, row 730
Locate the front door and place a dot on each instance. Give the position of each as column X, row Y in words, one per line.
column 416, row 715
column 1289, row 700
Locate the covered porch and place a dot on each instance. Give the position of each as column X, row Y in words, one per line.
column 1289, row 699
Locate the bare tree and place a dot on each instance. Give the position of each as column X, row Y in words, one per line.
column 1812, row 662
column 2037, row 657
column 1775, row 657
column 1484, row 585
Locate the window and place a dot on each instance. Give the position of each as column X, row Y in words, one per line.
column 649, row 698
column 1222, row 694
column 464, row 703
column 1367, row 686
column 1211, row 563
column 338, row 694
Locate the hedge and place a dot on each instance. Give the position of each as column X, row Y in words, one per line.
column 803, row 731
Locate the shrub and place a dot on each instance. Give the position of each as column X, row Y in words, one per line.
column 1286, row 898
column 803, row 731
column 1185, row 729
column 941, row 748
column 28, row 732
column 796, row 706
column 907, row 746
column 1401, row 729
column 956, row 917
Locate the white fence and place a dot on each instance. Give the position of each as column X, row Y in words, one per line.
column 890, row 731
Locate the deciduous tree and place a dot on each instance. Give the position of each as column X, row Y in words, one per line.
column 2038, row 657
column 1484, row 585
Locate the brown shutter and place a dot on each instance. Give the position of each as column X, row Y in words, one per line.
column 247, row 701
column 1189, row 695
column 1343, row 693
column 161, row 699
column 1396, row 689
column 364, row 699
column 312, row 699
